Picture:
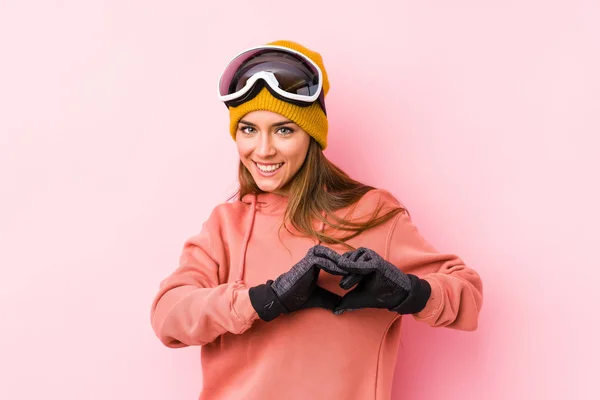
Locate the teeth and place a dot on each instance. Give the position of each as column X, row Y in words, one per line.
column 269, row 168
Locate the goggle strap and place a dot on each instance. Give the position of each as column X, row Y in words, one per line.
column 259, row 85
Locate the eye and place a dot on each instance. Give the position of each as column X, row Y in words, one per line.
column 285, row 131
column 247, row 129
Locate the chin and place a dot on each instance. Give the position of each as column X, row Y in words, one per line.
column 266, row 184
column 267, row 187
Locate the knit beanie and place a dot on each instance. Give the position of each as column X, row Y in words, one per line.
column 311, row 119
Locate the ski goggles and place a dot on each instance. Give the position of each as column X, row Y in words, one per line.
column 288, row 75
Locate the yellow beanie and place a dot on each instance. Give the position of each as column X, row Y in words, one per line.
column 312, row 119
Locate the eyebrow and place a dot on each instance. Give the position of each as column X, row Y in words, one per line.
column 275, row 124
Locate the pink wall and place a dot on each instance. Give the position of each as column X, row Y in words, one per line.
column 483, row 117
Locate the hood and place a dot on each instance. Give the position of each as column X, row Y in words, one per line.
column 267, row 203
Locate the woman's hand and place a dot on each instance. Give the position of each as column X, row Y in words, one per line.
column 379, row 284
column 297, row 289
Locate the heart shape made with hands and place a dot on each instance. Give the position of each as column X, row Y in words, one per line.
column 379, row 284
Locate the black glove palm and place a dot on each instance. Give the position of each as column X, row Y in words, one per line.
column 297, row 289
column 379, row 284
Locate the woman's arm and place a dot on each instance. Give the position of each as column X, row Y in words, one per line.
column 191, row 307
column 456, row 290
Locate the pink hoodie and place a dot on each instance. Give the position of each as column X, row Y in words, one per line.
column 312, row 353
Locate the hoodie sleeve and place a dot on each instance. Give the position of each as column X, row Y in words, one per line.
column 191, row 307
column 456, row 290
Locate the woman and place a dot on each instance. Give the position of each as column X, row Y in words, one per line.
column 296, row 289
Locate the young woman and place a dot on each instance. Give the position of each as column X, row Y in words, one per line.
column 296, row 289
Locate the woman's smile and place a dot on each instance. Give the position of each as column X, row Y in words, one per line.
column 268, row 170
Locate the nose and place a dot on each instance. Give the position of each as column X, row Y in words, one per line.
column 264, row 147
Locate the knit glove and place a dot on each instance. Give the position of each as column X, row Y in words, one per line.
column 297, row 289
column 379, row 284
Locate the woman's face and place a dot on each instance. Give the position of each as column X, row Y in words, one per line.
column 272, row 148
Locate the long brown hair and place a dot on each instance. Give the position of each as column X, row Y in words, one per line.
column 319, row 187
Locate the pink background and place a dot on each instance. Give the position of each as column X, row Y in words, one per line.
column 483, row 117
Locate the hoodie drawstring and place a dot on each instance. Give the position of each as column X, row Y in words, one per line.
column 254, row 206
column 242, row 267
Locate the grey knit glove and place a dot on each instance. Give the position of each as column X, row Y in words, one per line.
column 297, row 289
column 379, row 284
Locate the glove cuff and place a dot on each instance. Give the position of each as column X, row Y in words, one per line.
column 417, row 298
column 265, row 302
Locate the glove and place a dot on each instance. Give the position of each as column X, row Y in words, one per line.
column 296, row 289
column 379, row 284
